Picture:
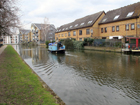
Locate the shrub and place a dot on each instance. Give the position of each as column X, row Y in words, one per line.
column 47, row 42
column 78, row 44
column 68, row 43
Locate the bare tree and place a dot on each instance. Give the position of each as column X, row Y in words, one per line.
column 9, row 19
column 45, row 29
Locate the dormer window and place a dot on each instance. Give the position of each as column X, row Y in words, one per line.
column 63, row 29
column 104, row 20
column 76, row 25
column 60, row 30
column 116, row 17
column 129, row 14
column 70, row 26
column 82, row 24
column 66, row 28
column 90, row 22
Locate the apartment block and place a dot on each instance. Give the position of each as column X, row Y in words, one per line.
column 81, row 28
column 115, row 24
column 121, row 22
column 24, row 35
column 42, row 32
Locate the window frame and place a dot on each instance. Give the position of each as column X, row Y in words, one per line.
column 105, row 29
column 74, row 33
column 134, row 26
column 80, row 32
column 102, row 30
column 68, row 33
column 126, row 27
column 118, row 28
column 113, row 28
column 88, row 31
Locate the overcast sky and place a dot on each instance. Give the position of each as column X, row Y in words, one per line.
column 61, row 12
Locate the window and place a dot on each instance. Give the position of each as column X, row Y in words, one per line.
column 68, row 33
column 74, row 33
column 80, row 39
column 91, row 30
column 103, row 37
column 129, row 14
column 113, row 28
column 62, row 35
column 66, row 28
column 101, row 30
column 133, row 41
column 105, row 29
column 65, row 35
column 132, row 26
column 117, row 28
column 127, row 27
column 104, row 20
column 90, row 22
column 59, row 35
column 70, row 26
column 82, row 24
column 76, row 25
column 116, row 17
column 80, row 32
column 87, row 31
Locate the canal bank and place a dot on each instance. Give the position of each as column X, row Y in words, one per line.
column 105, row 49
column 19, row 84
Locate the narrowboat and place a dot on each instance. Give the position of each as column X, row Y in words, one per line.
column 132, row 45
column 56, row 47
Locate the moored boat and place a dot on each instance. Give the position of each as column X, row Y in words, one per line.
column 132, row 45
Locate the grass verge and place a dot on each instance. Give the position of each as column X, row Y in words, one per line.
column 18, row 85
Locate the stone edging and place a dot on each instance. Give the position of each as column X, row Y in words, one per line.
column 44, row 85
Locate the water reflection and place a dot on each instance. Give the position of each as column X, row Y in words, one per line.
column 87, row 77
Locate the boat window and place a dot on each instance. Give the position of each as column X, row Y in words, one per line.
column 133, row 41
column 139, row 41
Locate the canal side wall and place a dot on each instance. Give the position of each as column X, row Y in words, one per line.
column 106, row 49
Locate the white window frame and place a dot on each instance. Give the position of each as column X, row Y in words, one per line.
column 130, row 14
column 82, row 23
column 116, row 17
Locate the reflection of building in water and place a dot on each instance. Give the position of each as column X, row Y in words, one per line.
column 39, row 55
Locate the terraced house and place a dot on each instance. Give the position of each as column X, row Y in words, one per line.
column 81, row 28
column 42, row 32
column 24, row 35
column 124, row 21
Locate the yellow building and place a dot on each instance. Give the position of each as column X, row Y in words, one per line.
column 42, row 32
column 24, row 35
column 124, row 21
column 81, row 28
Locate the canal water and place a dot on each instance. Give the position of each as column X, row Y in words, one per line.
column 87, row 77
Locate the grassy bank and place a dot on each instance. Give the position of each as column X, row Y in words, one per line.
column 18, row 85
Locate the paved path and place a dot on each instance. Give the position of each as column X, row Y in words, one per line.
column 2, row 48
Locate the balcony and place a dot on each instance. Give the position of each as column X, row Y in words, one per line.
column 36, row 34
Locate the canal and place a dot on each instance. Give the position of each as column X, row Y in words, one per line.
column 87, row 77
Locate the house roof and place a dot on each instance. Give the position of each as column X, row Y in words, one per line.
column 39, row 26
column 123, row 13
column 23, row 31
column 86, row 21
